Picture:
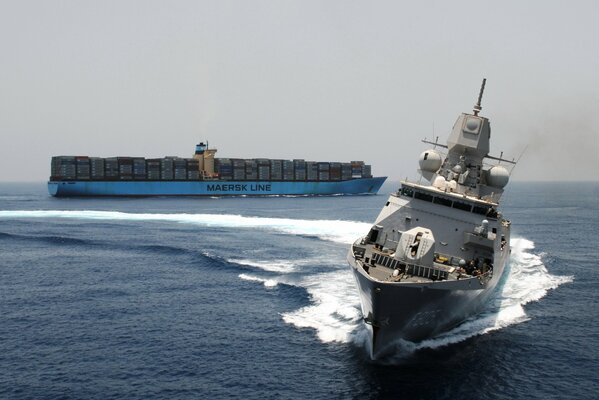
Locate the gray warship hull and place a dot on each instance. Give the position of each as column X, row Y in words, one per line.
column 412, row 311
column 437, row 250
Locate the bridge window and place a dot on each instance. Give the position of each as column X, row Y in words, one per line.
column 423, row 196
column 442, row 201
column 462, row 206
column 406, row 191
column 480, row 210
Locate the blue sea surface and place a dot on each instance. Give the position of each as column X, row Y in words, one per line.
column 193, row 298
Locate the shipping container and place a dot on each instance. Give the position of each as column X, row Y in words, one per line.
column 96, row 165
column 167, row 172
column 180, row 169
column 276, row 170
column 299, row 167
column 300, row 175
column 82, row 164
column 345, row 171
column 251, row 170
column 180, row 174
column 193, row 169
column 288, row 170
column 139, row 168
column 193, row 175
column 153, row 175
column 263, row 172
column 335, row 171
column 356, row 168
column 125, row 167
column 192, row 163
column 311, row 171
column 239, row 173
column 55, row 168
column 323, row 166
column 153, row 168
column 64, row 167
column 111, row 168
column 224, row 168
column 238, row 163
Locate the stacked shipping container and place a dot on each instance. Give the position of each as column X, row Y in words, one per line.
column 175, row 168
column 193, row 169
column 64, row 167
column 139, row 168
column 153, row 169
column 251, row 170
column 111, row 168
column 300, row 170
column 97, row 168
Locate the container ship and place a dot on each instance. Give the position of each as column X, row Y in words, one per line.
column 206, row 175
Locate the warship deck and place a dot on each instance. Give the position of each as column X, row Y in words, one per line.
column 381, row 266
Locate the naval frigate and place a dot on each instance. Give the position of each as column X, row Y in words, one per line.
column 439, row 246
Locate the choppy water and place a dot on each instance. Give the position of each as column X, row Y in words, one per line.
column 252, row 298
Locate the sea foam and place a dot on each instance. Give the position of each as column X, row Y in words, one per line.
column 335, row 310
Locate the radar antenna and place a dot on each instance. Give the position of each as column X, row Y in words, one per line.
column 477, row 106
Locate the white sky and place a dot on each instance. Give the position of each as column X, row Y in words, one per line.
column 319, row 80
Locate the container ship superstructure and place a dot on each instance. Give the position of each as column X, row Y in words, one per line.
column 206, row 175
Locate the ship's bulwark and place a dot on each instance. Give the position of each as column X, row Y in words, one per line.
column 213, row 188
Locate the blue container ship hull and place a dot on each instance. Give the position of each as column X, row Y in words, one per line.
column 213, row 188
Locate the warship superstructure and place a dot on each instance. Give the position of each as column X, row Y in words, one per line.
column 437, row 250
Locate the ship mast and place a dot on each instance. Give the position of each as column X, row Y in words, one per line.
column 477, row 106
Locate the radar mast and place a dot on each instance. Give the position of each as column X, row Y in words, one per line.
column 477, row 106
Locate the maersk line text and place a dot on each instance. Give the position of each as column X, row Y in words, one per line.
column 221, row 187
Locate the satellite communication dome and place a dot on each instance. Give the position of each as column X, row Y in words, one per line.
column 440, row 183
column 430, row 161
column 452, row 186
column 498, row 176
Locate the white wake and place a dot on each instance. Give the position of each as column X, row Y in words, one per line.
column 331, row 230
column 334, row 312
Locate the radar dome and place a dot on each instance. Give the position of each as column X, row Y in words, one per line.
column 440, row 183
column 430, row 161
column 498, row 176
column 452, row 186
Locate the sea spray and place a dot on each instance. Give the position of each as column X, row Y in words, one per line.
column 335, row 310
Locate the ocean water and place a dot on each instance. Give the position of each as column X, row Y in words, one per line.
column 193, row 298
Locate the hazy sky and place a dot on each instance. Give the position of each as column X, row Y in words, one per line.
column 319, row 80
